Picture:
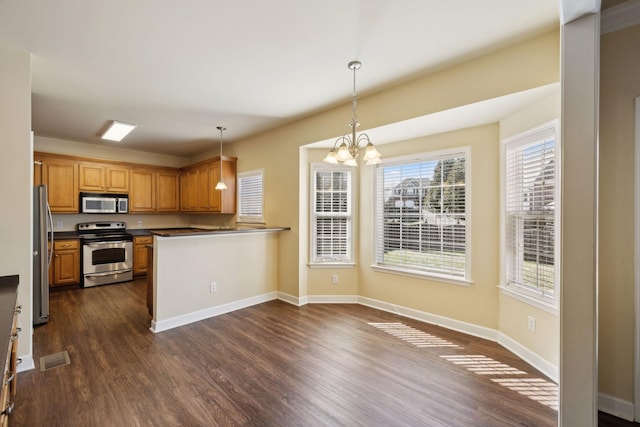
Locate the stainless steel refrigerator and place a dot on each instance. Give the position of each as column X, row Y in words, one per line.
column 42, row 235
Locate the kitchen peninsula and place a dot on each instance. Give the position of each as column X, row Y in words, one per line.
column 201, row 273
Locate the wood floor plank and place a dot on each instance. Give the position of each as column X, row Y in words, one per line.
column 273, row 364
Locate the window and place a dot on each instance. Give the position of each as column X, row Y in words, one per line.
column 251, row 196
column 331, row 214
column 531, row 224
column 422, row 215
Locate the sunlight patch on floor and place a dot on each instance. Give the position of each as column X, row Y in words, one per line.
column 412, row 335
column 537, row 389
column 483, row 365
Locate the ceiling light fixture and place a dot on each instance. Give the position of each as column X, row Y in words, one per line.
column 221, row 185
column 117, row 131
column 349, row 145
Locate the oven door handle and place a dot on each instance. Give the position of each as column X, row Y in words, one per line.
column 108, row 273
column 97, row 245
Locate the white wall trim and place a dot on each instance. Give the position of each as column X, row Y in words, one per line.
column 333, row 299
column 291, row 299
column 544, row 366
column 614, row 406
column 620, row 17
column 195, row 316
column 26, row 364
column 636, row 262
column 434, row 319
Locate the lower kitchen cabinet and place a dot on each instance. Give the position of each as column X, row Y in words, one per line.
column 65, row 264
column 140, row 257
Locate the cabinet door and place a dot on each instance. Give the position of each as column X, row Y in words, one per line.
column 168, row 189
column 215, row 196
column 188, row 190
column 142, row 196
column 117, row 179
column 140, row 255
column 203, row 186
column 66, row 263
column 91, row 178
column 61, row 179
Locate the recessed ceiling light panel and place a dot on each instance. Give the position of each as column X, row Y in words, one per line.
column 117, row 131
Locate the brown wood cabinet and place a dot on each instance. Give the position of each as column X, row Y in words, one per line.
column 140, row 258
column 10, row 371
column 61, row 178
column 103, row 178
column 65, row 264
column 154, row 191
column 198, row 183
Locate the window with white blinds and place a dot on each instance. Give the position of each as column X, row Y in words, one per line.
column 422, row 214
column 331, row 214
column 251, row 196
column 531, row 213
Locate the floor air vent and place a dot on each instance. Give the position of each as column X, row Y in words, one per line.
column 54, row 361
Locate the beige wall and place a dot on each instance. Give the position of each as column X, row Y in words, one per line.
column 619, row 85
column 16, row 178
column 527, row 65
column 513, row 314
column 476, row 304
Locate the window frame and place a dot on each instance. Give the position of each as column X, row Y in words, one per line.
column 347, row 261
column 525, row 293
column 436, row 155
column 251, row 219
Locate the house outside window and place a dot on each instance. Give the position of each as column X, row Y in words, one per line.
column 531, row 214
column 423, row 215
column 251, row 196
column 331, row 214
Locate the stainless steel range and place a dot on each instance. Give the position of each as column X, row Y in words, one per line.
column 107, row 253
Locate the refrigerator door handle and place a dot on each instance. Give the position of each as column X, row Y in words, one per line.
column 50, row 251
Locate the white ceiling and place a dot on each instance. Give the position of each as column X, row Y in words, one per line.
column 178, row 69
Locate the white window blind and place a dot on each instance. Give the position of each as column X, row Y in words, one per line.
column 251, row 196
column 422, row 213
column 531, row 224
column 331, row 215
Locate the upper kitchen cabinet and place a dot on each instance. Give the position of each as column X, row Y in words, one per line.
column 61, row 178
column 154, row 190
column 198, row 185
column 103, row 178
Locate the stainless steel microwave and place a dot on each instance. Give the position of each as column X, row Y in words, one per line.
column 104, row 203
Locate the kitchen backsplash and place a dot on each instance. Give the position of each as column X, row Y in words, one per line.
column 66, row 222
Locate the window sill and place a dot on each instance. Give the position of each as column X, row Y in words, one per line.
column 332, row 265
column 423, row 275
column 541, row 304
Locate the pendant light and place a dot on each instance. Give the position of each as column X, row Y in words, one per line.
column 221, row 185
column 346, row 148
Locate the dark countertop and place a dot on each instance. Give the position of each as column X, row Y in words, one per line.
column 8, row 299
column 180, row 231
column 192, row 231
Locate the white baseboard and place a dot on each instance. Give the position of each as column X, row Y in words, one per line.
column 185, row 319
column 614, row 406
column 333, row 299
column 434, row 319
column 297, row 301
column 26, row 364
column 547, row 368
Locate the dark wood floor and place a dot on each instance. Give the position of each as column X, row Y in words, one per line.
column 273, row 364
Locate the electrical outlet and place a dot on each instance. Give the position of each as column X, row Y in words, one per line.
column 59, row 224
column 334, row 279
column 531, row 323
column 139, row 223
column 213, row 287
